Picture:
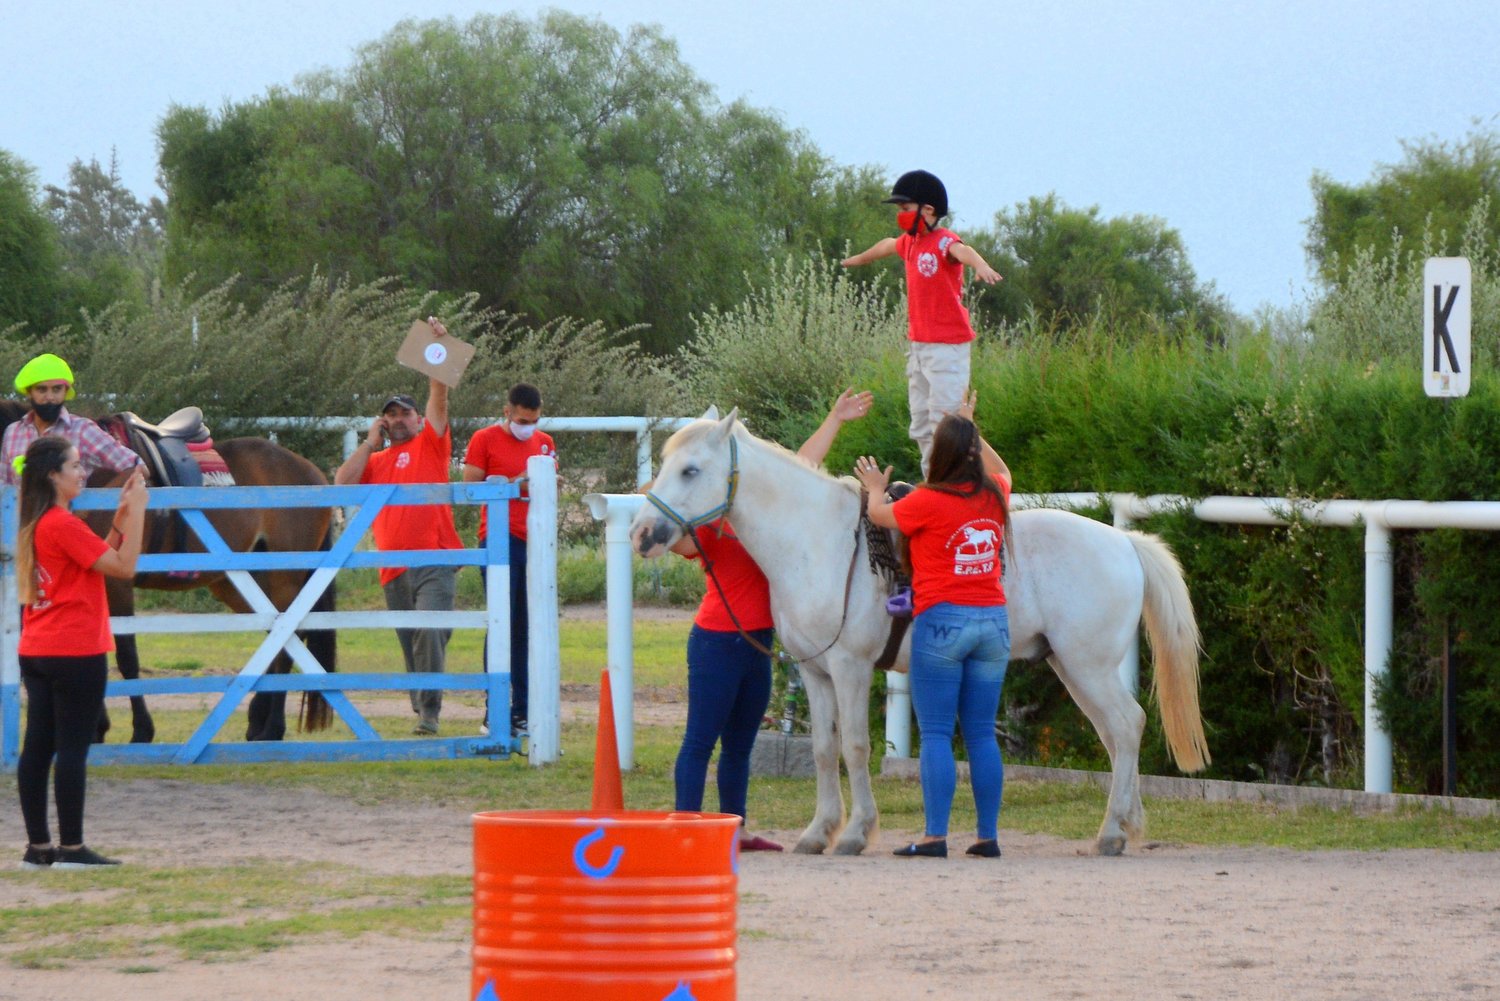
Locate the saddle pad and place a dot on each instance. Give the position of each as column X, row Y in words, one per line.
column 215, row 470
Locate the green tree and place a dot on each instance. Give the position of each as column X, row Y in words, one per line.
column 110, row 240
column 1067, row 265
column 554, row 166
column 30, row 259
column 1432, row 191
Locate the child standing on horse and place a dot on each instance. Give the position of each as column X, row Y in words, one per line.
column 937, row 364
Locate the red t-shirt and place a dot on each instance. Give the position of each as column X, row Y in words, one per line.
column 427, row 458
column 70, row 617
column 744, row 585
column 499, row 453
column 934, row 289
column 955, row 546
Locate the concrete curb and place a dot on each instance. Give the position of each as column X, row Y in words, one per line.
column 1219, row 791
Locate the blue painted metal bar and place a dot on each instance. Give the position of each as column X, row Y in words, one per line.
column 230, row 498
column 10, row 635
column 280, row 626
column 260, row 752
column 497, row 603
column 206, row 562
column 252, row 622
column 209, row 684
column 282, row 633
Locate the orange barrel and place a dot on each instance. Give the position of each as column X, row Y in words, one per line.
column 627, row 905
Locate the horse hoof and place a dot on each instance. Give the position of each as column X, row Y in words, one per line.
column 809, row 848
column 849, row 848
column 144, row 734
column 1112, row 846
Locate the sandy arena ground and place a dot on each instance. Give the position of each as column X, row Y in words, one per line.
column 1046, row 921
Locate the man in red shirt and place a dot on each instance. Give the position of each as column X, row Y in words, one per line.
column 937, row 364
column 420, row 451
column 502, row 450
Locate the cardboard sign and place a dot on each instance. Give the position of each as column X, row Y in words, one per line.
column 440, row 358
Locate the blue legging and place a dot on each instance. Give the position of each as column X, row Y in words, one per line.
column 958, row 658
column 729, row 687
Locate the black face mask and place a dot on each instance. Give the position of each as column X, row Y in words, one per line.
column 48, row 412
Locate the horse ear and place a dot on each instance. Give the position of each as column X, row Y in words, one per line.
column 726, row 424
column 711, row 414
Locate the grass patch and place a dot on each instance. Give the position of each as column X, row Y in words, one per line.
column 660, row 651
column 205, row 914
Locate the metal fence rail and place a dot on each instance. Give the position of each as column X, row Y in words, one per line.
column 281, row 626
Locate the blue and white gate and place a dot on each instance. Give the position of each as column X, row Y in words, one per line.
column 281, row 627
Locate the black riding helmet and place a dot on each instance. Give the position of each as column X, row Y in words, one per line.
column 922, row 188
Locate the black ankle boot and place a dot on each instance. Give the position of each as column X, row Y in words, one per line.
column 923, row 849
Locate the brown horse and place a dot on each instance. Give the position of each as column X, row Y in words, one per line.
column 253, row 462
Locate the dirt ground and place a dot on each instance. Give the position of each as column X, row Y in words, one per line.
column 1044, row 922
column 1047, row 921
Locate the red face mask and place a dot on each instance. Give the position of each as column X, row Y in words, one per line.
column 907, row 222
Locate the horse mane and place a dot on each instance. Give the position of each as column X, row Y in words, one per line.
column 700, row 428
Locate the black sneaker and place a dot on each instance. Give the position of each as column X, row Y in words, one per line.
column 38, row 858
column 82, row 857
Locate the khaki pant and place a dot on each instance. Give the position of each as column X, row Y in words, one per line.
column 427, row 589
column 937, row 376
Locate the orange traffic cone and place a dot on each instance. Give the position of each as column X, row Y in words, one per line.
column 608, row 794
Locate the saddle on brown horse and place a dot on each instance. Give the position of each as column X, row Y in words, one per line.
column 177, row 452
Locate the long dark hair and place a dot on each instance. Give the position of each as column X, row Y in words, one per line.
column 38, row 495
column 956, row 466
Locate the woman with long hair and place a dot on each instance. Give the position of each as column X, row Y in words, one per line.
column 955, row 523
column 60, row 571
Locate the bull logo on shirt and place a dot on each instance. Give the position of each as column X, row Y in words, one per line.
column 975, row 547
column 927, row 264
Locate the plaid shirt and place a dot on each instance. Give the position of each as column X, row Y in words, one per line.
column 96, row 449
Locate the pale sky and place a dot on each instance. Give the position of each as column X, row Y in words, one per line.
column 1210, row 115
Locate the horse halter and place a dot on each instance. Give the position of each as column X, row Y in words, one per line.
column 708, row 517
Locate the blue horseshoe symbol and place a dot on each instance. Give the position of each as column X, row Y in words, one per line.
column 682, row 992
column 592, row 871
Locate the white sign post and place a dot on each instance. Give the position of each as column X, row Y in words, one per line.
column 1447, row 296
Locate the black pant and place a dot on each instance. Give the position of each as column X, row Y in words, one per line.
column 64, row 696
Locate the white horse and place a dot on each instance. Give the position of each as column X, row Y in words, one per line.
column 1077, row 589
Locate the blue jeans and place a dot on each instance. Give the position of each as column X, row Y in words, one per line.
column 958, row 658
column 729, row 687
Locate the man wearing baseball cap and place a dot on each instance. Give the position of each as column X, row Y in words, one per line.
column 47, row 381
column 937, row 364
column 420, row 451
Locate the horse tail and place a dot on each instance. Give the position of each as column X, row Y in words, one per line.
column 316, row 713
column 1173, row 632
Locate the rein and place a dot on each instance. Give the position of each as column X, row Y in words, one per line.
column 690, row 528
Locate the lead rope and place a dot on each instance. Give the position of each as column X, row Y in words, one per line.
column 781, row 655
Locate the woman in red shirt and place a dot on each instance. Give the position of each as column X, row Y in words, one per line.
column 729, row 670
column 955, row 523
column 60, row 571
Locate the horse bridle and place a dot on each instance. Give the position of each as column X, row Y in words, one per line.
column 720, row 514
